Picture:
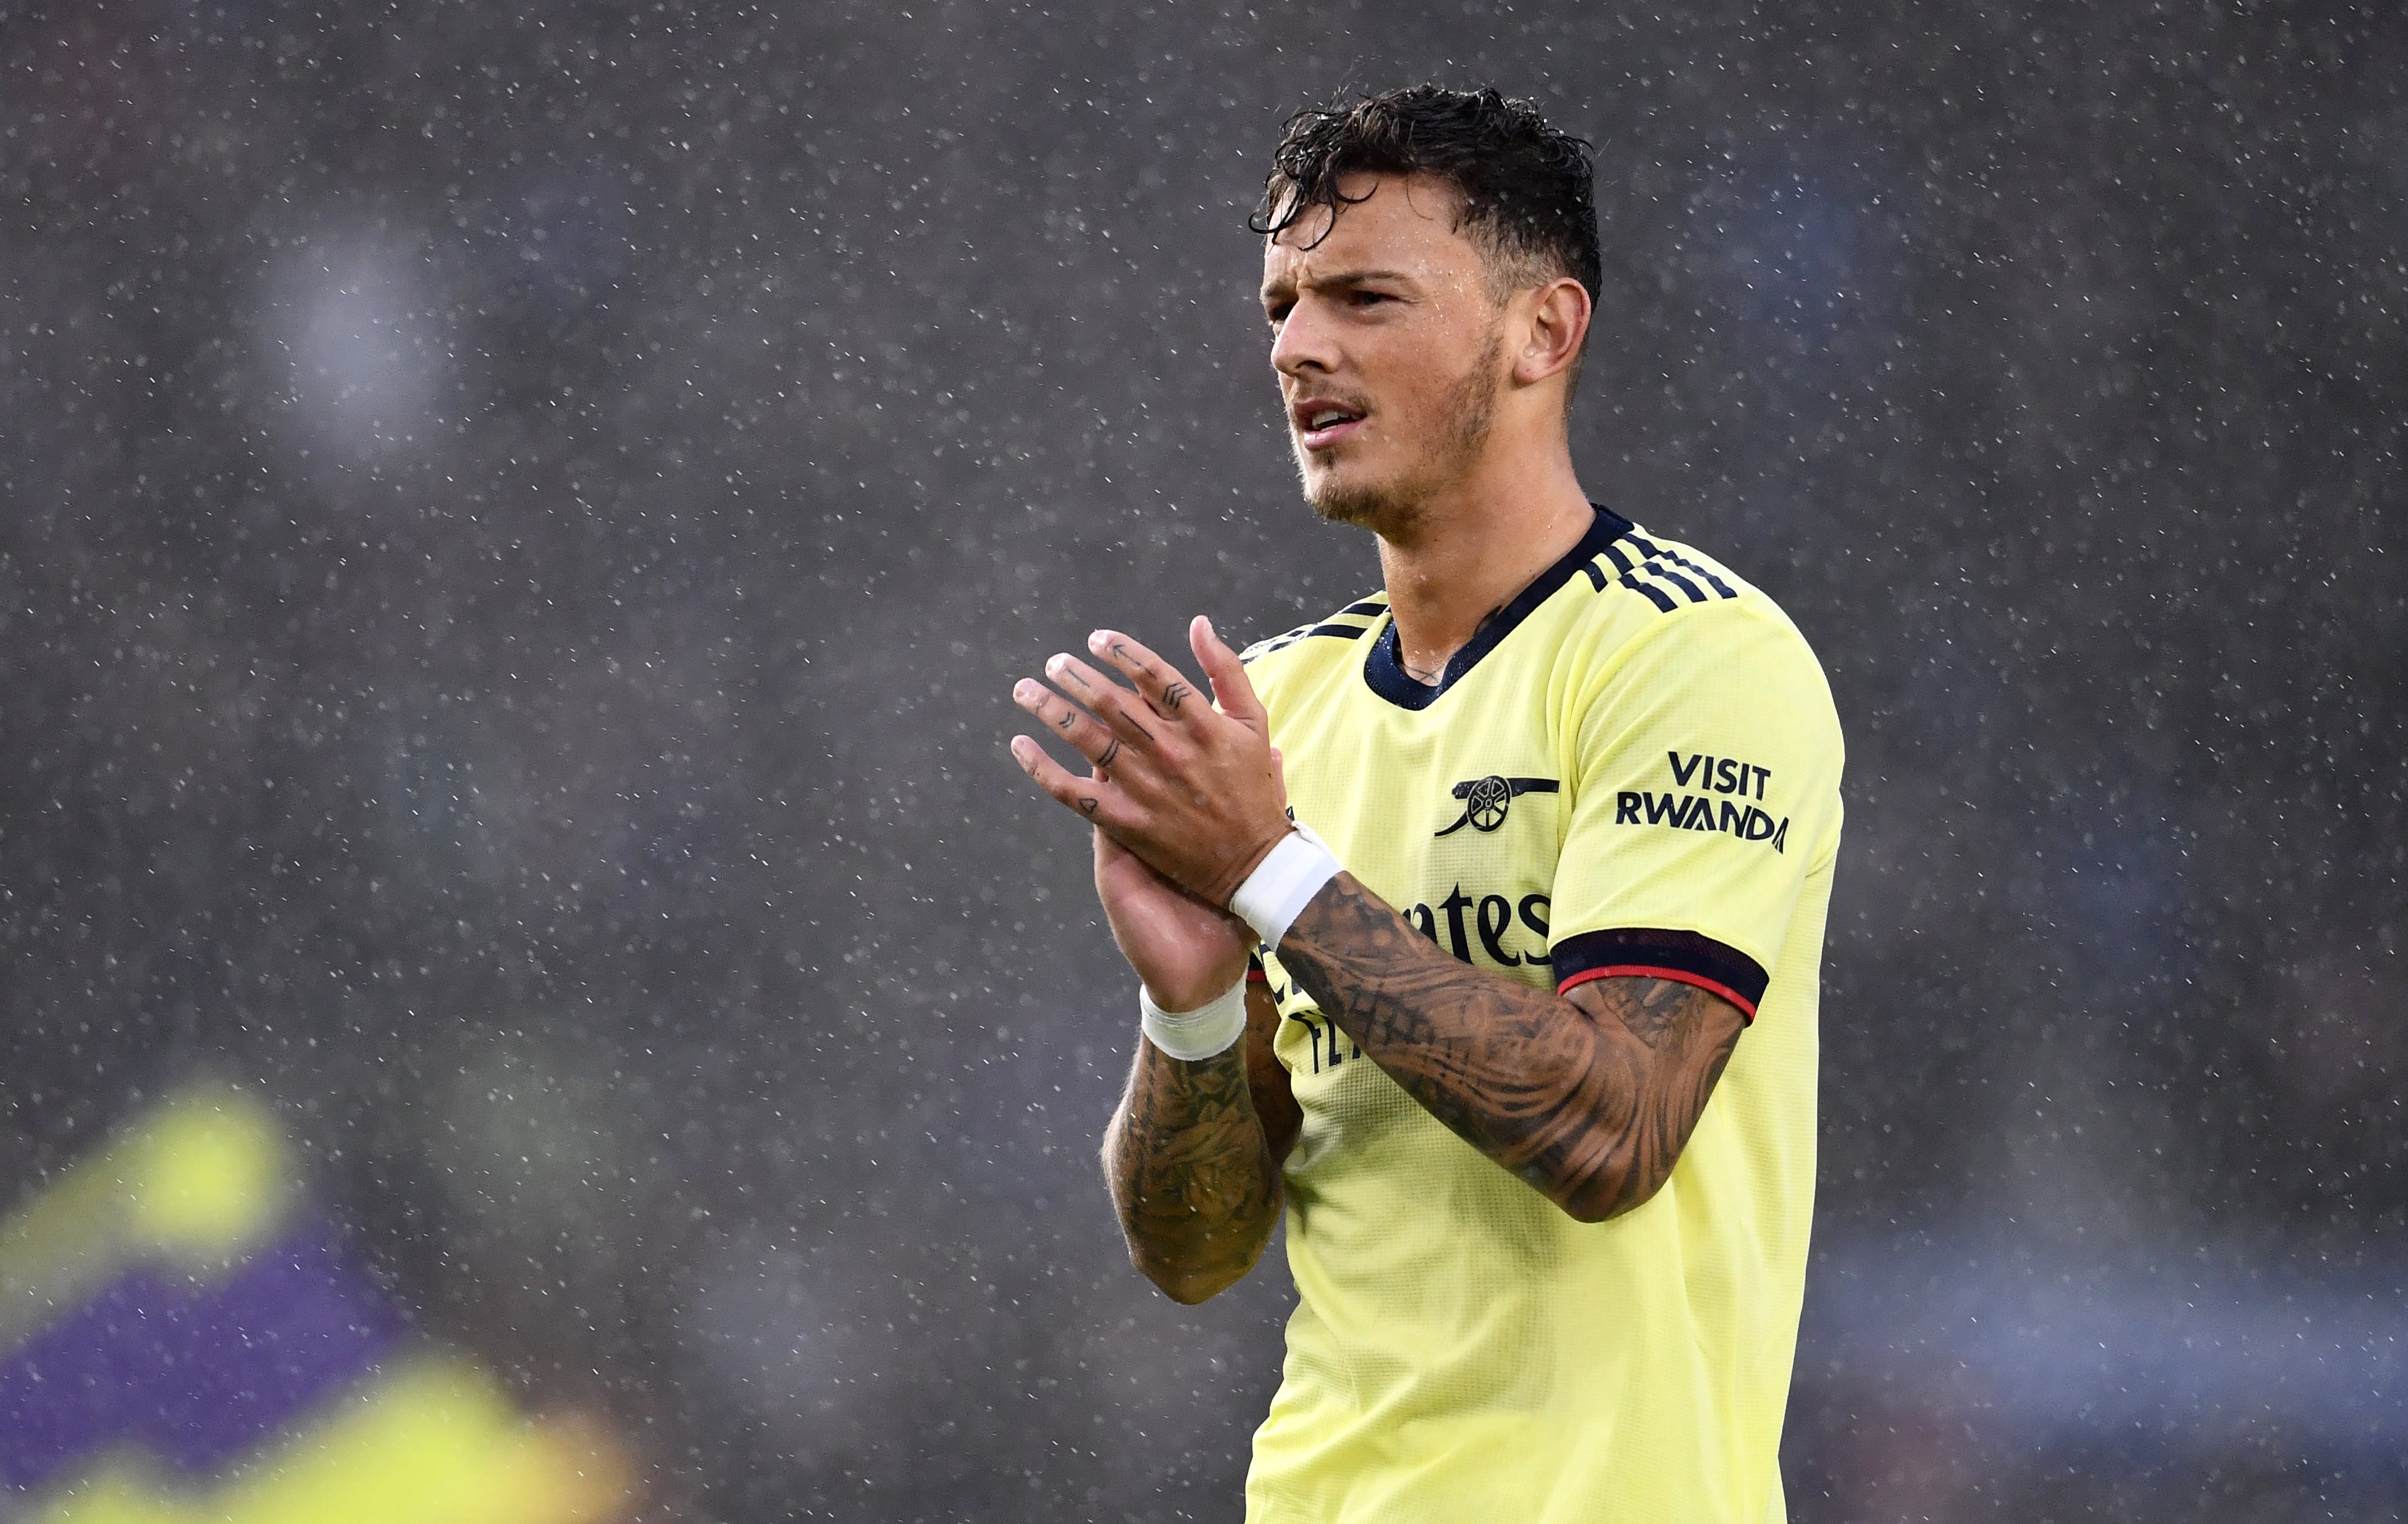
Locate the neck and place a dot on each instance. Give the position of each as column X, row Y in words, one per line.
column 1470, row 548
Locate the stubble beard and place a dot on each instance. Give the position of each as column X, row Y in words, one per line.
column 1390, row 509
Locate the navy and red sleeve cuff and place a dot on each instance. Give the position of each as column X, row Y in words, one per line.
column 1255, row 971
column 1642, row 953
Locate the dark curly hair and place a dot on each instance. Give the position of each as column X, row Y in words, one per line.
column 1527, row 199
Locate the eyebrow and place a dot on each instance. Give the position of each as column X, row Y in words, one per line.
column 1342, row 278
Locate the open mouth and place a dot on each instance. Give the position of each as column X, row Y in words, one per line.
column 1320, row 425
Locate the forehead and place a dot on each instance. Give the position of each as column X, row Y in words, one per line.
column 1403, row 222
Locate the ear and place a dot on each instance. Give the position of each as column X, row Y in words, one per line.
column 1557, row 322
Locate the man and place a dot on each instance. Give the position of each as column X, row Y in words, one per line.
column 1531, row 1061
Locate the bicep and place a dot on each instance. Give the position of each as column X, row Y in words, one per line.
column 1674, row 1018
column 1275, row 1105
column 1682, row 1035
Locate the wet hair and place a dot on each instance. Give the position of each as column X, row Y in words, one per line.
column 1527, row 199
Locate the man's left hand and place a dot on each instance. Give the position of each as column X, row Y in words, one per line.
column 1191, row 790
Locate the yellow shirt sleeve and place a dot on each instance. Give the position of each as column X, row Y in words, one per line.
column 1707, row 758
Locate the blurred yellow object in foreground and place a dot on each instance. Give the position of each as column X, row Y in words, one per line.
column 432, row 1440
column 195, row 1185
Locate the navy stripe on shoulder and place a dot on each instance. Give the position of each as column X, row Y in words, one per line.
column 1658, row 573
column 1335, row 627
column 1697, row 594
column 1654, row 596
column 1708, row 573
column 1384, row 670
column 1658, row 552
column 1644, row 572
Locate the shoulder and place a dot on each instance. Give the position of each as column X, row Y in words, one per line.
column 1330, row 638
column 1672, row 629
column 1655, row 593
column 1642, row 579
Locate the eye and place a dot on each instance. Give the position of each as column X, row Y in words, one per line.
column 1368, row 299
column 1277, row 312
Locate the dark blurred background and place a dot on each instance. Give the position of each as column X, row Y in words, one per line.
column 519, row 522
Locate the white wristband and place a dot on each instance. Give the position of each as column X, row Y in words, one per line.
column 1279, row 888
column 1200, row 1033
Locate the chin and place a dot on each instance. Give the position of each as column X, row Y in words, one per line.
column 1380, row 507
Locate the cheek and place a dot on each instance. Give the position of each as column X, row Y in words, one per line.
column 1417, row 397
column 1420, row 373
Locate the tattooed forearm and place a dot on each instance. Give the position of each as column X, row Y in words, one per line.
column 1192, row 1173
column 1589, row 1097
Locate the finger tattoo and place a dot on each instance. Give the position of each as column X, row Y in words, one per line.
column 1089, row 805
column 1109, row 752
column 1173, row 695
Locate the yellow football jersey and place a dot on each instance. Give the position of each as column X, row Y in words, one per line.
column 1633, row 769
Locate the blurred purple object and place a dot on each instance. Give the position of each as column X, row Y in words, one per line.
column 193, row 1372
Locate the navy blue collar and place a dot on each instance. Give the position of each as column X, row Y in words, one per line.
column 1385, row 672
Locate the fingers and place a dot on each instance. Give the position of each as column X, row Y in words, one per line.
column 1108, row 700
column 1085, row 734
column 1231, row 688
column 1164, row 690
column 1091, row 798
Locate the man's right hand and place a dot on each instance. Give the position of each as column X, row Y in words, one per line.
column 1193, row 1154
column 1187, row 952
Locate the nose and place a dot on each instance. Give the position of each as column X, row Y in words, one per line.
column 1304, row 343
